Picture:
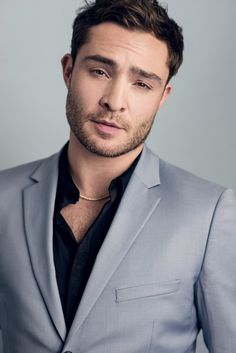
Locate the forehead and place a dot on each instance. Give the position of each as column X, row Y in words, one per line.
column 127, row 47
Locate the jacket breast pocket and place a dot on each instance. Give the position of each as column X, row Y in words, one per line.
column 146, row 290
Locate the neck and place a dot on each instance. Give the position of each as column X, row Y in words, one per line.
column 92, row 173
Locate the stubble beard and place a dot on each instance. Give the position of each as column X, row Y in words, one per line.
column 77, row 118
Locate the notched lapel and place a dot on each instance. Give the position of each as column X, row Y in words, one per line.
column 38, row 214
column 138, row 204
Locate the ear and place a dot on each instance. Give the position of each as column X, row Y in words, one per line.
column 166, row 93
column 67, row 68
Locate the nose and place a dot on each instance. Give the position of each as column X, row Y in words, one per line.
column 114, row 98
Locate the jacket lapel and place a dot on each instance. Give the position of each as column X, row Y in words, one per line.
column 137, row 205
column 39, row 201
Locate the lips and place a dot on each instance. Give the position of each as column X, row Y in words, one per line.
column 108, row 123
column 107, row 127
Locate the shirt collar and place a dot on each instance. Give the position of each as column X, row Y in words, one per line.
column 67, row 193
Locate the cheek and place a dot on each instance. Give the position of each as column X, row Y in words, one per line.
column 87, row 95
column 145, row 109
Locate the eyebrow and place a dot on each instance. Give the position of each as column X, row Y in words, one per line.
column 145, row 74
column 100, row 59
column 135, row 70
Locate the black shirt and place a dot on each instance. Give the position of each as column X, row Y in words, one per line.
column 74, row 261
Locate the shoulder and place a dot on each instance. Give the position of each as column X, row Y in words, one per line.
column 192, row 193
column 19, row 177
column 184, row 187
column 197, row 197
column 176, row 176
column 20, row 172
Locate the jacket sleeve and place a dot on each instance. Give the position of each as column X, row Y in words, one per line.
column 216, row 285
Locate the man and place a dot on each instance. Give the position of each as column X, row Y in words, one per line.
column 104, row 247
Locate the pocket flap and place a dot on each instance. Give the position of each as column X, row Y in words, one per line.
column 146, row 290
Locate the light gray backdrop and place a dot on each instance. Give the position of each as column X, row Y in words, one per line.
column 194, row 130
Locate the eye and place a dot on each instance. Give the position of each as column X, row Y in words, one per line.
column 143, row 85
column 99, row 73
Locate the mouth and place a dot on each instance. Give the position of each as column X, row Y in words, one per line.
column 107, row 123
column 106, row 126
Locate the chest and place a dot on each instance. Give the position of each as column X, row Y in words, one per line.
column 80, row 216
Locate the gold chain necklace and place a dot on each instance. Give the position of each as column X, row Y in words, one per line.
column 104, row 197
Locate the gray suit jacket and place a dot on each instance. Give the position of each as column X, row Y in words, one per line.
column 166, row 268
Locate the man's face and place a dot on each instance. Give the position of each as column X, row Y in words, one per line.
column 115, row 88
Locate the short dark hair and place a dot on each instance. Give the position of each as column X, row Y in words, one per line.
column 145, row 15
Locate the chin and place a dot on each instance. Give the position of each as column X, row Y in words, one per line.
column 110, row 151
